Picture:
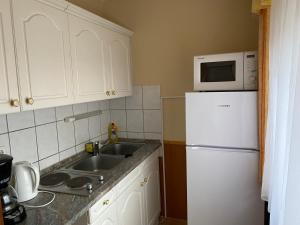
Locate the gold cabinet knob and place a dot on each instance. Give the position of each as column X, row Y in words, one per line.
column 146, row 179
column 142, row 184
column 108, row 93
column 106, row 202
column 113, row 92
column 15, row 103
column 29, row 101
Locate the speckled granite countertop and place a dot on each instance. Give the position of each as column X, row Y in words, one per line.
column 66, row 209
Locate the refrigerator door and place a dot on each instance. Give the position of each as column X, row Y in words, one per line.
column 223, row 187
column 222, row 119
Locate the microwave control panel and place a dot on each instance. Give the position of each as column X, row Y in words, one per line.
column 250, row 71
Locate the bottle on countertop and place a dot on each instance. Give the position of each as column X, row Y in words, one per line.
column 112, row 133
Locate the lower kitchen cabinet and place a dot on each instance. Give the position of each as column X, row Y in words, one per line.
column 134, row 201
column 131, row 207
column 152, row 192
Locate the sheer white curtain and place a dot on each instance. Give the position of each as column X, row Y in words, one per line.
column 282, row 162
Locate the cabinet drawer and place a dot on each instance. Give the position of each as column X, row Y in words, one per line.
column 100, row 206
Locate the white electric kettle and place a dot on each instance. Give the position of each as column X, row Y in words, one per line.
column 27, row 180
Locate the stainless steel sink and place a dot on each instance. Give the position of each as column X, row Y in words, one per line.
column 96, row 163
column 121, row 149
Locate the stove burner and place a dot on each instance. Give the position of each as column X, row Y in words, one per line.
column 78, row 182
column 54, row 179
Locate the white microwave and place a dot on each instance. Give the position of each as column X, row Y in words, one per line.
column 221, row 72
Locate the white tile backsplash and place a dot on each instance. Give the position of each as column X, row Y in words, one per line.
column 66, row 135
column 80, row 148
column 104, row 137
column 67, row 153
column 135, row 121
column 94, row 126
column 122, row 134
column 104, row 105
column 118, row 103
column 136, row 100
column 80, row 108
column 153, row 136
column 151, row 97
column 43, row 116
column 64, row 111
column 21, row 120
column 47, row 140
column 119, row 117
column 143, row 113
column 3, row 124
column 93, row 106
column 23, row 145
column 4, row 144
column 135, row 135
column 152, row 121
column 96, row 139
column 49, row 161
column 105, row 120
column 43, row 138
column 81, row 131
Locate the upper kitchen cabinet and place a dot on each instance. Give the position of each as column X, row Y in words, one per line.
column 120, row 64
column 9, row 97
column 43, row 53
column 101, row 56
column 87, row 46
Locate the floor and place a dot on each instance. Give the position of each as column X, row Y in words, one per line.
column 170, row 221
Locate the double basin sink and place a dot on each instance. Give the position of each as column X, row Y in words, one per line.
column 110, row 156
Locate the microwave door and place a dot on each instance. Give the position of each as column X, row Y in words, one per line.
column 219, row 72
column 224, row 71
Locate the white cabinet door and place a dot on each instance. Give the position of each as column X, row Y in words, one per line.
column 87, row 46
column 8, row 77
column 152, row 192
column 120, row 64
column 109, row 217
column 43, row 53
column 131, row 205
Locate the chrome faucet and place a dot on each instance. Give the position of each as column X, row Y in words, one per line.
column 97, row 147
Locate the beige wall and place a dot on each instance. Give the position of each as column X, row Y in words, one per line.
column 94, row 6
column 169, row 33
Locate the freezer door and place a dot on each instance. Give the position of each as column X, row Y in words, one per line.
column 223, row 119
column 223, row 187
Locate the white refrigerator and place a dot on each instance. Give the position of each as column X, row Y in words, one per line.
column 223, row 159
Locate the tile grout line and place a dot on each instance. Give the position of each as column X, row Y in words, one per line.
column 57, row 135
column 31, row 127
column 74, row 129
column 100, row 107
column 36, row 141
column 8, row 136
